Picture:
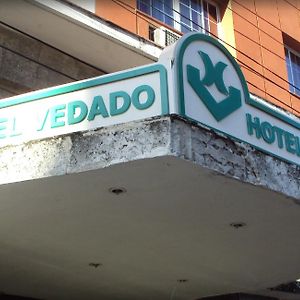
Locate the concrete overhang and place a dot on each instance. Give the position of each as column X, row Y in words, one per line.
column 185, row 187
column 79, row 33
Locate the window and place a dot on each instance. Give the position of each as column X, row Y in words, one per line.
column 293, row 68
column 183, row 15
column 158, row 9
column 196, row 15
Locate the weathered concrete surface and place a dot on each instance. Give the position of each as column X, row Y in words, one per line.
column 155, row 137
column 234, row 159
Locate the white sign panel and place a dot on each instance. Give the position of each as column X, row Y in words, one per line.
column 196, row 78
column 212, row 90
column 85, row 105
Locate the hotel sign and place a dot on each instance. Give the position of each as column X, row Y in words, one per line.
column 85, row 105
column 212, row 90
column 196, row 78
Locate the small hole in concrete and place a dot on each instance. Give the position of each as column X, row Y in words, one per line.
column 95, row 265
column 238, row 225
column 182, row 280
column 117, row 190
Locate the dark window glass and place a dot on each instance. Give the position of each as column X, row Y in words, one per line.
column 168, row 9
column 293, row 69
column 161, row 10
column 212, row 13
column 144, row 6
column 151, row 33
column 196, row 5
column 193, row 15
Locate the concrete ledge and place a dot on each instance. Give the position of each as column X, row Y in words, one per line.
column 234, row 159
column 145, row 139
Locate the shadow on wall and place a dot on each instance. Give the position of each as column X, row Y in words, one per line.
column 12, row 297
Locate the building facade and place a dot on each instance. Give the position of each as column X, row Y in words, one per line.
column 160, row 207
column 263, row 37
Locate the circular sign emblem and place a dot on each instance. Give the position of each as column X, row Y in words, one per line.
column 209, row 79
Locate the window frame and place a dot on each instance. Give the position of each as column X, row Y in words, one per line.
column 203, row 29
column 177, row 24
column 294, row 87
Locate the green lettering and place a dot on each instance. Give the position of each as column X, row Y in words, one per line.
column 14, row 129
column 279, row 133
column 56, row 113
column 44, row 121
column 298, row 145
column 3, row 127
column 136, row 101
column 267, row 132
column 115, row 109
column 253, row 125
column 97, row 108
column 290, row 142
column 73, row 108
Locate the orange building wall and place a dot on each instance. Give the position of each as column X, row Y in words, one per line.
column 124, row 13
column 259, row 27
column 258, row 31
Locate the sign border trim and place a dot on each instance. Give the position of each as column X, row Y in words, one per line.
column 93, row 82
column 179, row 52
